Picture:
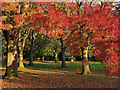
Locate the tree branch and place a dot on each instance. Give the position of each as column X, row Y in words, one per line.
column 74, row 31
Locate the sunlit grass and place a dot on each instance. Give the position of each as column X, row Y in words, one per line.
column 71, row 67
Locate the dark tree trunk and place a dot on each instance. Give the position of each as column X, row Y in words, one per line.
column 63, row 53
column 31, row 51
column 11, row 67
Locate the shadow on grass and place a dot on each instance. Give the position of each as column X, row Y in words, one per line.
column 71, row 67
column 51, row 67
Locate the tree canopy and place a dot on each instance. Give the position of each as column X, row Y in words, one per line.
column 80, row 25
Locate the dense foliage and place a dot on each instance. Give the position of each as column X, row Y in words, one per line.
column 80, row 25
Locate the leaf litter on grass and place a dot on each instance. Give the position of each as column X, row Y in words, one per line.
column 57, row 79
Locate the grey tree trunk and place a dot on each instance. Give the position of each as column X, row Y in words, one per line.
column 85, row 62
column 11, row 67
column 31, row 51
column 63, row 53
column 20, row 45
column 21, row 65
column 56, row 53
column 72, row 59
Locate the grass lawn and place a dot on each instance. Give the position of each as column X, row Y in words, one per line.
column 72, row 67
column 51, row 75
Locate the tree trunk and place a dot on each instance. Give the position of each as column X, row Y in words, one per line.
column 11, row 67
column 43, row 58
column 21, row 65
column 21, row 47
column 31, row 51
column 85, row 62
column 72, row 59
column 63, row 53
column 56, row 53
column 56, row 57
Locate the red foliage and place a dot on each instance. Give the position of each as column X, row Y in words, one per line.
column 58, row 21
column 52, row 24
column 10, row 6
column 98, row 22
column 6, row 26
column 37, row 21
column 103, row 25
column 18, row 19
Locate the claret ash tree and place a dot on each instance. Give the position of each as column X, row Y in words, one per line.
column 103, row 22
column 100, row 28
column 52, row 23
column 105, row 25
column 77, row 35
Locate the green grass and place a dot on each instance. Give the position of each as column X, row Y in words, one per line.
column 70, row 67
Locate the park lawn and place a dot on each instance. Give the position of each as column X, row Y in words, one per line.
column 50, row 75
column 71, row 67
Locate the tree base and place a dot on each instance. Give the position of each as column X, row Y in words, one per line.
column 21, row 68
column 56, row 61
column 85, row 69
column 63, row 66
column 21, row 65
column 10, row 76
column 85, row 72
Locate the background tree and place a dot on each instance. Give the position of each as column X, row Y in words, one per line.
column 57, row 49
column 23, row 35
column 53, row 27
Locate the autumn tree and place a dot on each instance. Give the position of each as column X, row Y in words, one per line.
column 56, row 49
column 23, row 35
column 105, row 34
column 51, row 24
column 97, row 24
column 11, row 22
column 77, row 36
column 76, row 26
